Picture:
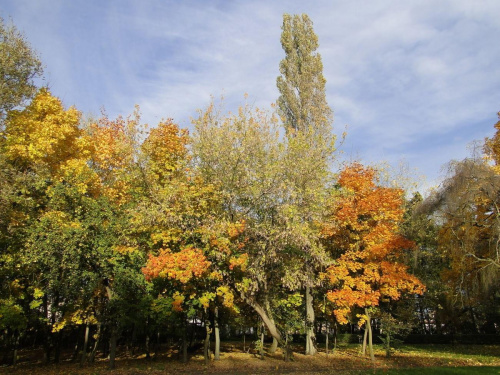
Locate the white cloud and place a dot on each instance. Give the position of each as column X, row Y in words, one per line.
column 399, row 73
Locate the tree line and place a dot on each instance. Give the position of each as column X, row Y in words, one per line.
column 115, row 232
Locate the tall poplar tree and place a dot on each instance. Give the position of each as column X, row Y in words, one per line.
column 302, row 102
column 307, row 119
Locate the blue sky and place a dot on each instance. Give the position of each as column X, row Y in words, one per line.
column 415, row 82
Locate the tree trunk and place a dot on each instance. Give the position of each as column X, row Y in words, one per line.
column 158, row 344
column 74, row 357
column 57, row 351
column 132, row 340
column 16, row 346
column 184, row 340
column 217, row 335
column 48, row 332
column 112, row 347
column 244, row 338
column 85, row 344
column 422, row 318
column 274, row 346
column 365, row 335
column 335, row 337
column 288, row 349
column 96, row 344
column 326, row 339
column 310, row 336
column 206, row 349
column 266, row 318
column 387, row 344
column 146, row 346
column 370, row 338
column 262, row 329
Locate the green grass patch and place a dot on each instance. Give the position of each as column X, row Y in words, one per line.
column 481, row 353
column 469, row 370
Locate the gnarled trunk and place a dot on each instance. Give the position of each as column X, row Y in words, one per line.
column 266, row 318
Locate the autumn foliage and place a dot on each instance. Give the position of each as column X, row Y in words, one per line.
column 362, row 228
column 181, row 266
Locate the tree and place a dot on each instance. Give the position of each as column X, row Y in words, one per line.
column 302, row 102
column 242, row 156
column 44, row 134
column 307, row 119
column 362, row 229
column 426, row 262
column 19, row 68
column 467, row 208
column 492, row 147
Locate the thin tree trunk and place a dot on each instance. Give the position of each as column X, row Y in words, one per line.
column 370, row 335
column 244, row 338
column 310, row 336
column 146, row 345
column 217, row 335
column 184, row 340
column 133, row 339
column 112, row 347
column 74, row 357
column 96, row 344
column 47, row 333
column 85, row 344
column 158, row 344
column 335, row 337
column 16, row 346
column 286, row 347
column 57, row 351
column 387, row 344
column 262, row 341
column 207, row 341
column 365, row 335
column 422, row 318
column 326, row 339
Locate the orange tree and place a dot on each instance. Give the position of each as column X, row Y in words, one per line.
column 361, row 231
column 190, row 251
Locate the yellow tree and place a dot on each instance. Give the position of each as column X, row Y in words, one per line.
column 361, row 230
column 43, row 134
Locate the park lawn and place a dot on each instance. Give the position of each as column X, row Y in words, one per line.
column 346, row 360
column 469, row 370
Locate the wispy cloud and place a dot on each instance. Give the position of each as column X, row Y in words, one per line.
column 416, row 80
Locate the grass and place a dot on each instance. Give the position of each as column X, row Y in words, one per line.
column 487, row 370
column 409, row 359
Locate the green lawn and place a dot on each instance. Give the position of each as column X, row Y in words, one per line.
column 439, row 371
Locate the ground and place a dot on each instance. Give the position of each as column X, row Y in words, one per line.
column 345, row 360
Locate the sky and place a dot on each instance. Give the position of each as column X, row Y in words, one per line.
column 413, row 83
